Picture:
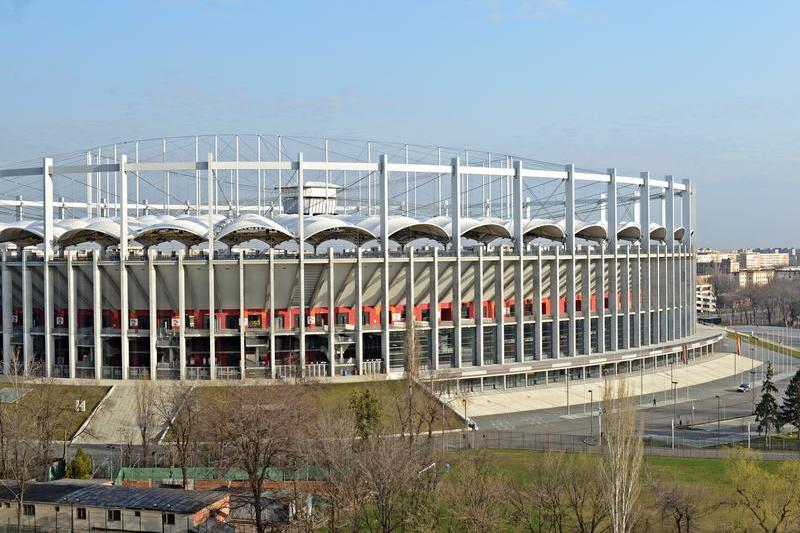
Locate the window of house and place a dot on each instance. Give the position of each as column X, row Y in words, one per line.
column 114, row 515
column 81, row 513
column 137, row 514
column 29, row 510
column 168, row 519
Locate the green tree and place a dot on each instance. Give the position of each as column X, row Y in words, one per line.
column 366, row 412
column 81, row 466
column 767, row 416
column 790, row 410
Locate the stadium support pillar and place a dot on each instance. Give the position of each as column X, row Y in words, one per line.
column 384, row 206
column 571, row 249
column 586, row 304
column 671, row 286
column 625, row 276
column 434, row 311
column 456, row 250
column 689, row 281
column 359, row 312
column 242, row 318
column 212, row 315
column 97, row 314
column 182, row 314
column 331, row 315
column 47, row 285
column 72, row 316
column 88, row 186
column 123, row 267
column 410, row 303
column 478, row 305
column 537, row 306
column 500, row 306
column 519, row 265
column 8, row 326
column 152, row 310
column 636, row 291
column 613, row 264
column 555, row 304
column 27, row 314
column 600, row 298
column 645, row 224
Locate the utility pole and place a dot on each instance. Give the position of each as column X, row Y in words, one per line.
column 717, row 397
column 591, row 415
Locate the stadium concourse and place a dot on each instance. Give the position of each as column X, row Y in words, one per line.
column 256, row 257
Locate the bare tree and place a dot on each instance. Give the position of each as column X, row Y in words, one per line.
column 146, row 415
column 258, row 430
column 585, row 492
column 179, row 411
column 539, row 505
column 622, row 457
column 473, row 492
column 771, row 499
column 682, row 504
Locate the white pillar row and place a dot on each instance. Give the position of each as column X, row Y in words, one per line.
column 72, row 315
column 182, row 314
column 153, row 311
column 359, row 312
column 410, row 297
column 455, row 227
column 97, row 314
column 689, row 281
column 645, row 269
column 271, row 313
column 519, row 264
column 47, row 286
column 331, row 315
column 555, row 301
column 636, row 289
column 384, row 207
column 500, row 305
column 8, row 305
column 478, row 299
column 212, row 315
column 434, row 309
column 671, row 300
column 27, row 314
column 301, row 250
column 123, row 268
column 586, row 289
column 242, row 317
column 571, row 249
column 600, row 291
column 613, row 285
column 625, row 277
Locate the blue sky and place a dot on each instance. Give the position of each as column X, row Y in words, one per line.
column 707, row 90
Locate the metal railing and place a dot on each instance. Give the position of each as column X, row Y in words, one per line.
column 257, row 372
column 168, row 373
column 112, row 372
column 60, row 371
column 228, row 372
column 198, row 372
column 373, row 366
column 84, row 372
column 138, row 372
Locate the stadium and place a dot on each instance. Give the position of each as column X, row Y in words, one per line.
column 180, row 258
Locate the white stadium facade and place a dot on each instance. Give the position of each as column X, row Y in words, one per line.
column 179, row 258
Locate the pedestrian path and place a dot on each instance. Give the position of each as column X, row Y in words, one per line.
column 659, row 384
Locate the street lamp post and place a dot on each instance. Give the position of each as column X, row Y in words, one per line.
column 752, row 389
column 591, row 415
column 674, row 398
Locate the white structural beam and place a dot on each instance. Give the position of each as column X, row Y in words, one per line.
column 613, row 286
column 123, row 269
column 455, row 248
column 571, row 249
column 384, row 214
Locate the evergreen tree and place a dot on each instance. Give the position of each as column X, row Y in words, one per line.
column 767, row 418
column 790, row 410
column 366, row 411
column 80, row 467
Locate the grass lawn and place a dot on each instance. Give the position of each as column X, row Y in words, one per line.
column 339, row 394
column 66, row 395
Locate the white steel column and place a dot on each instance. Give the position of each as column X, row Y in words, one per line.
column 152, row 311
column 410, row 303
column 478, row 306
column 384, row 213
column 555, row 305
column 97, row 314
column 586, row 303
column 212, row 315
column 600, row 298
column 72, row 315
column 625, row 275
column 271, row 315
column 646, row 281
column 455, row 215
column 519, row 251
column 689, row 281
column 359, row 312
column 500, row 305
column 8, row 305
column 27, row 314
column 571, row 249
column 242, row 315
column 657, row 284
column 637, row 297
column 182, row 314
column 434, row 309
column 537, row 306
column 331, row 315
column 123, row 268
column 47, row 286
column 670, row 286
column 613, row 285
column 88, row 186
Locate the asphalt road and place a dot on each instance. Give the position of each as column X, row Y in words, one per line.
column 698, row 407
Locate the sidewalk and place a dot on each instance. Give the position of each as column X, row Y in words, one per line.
column 577, row 392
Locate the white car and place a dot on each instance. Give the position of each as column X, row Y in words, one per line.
column 744, row 387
